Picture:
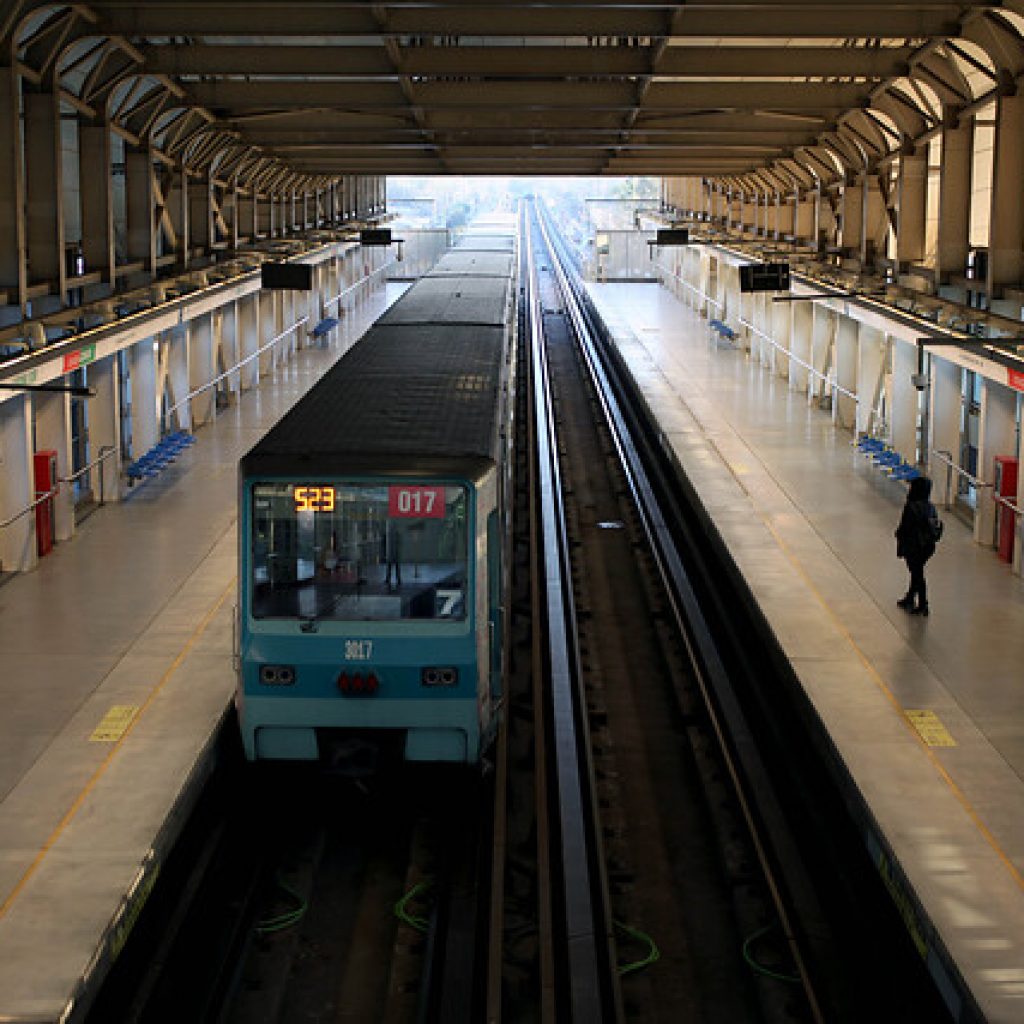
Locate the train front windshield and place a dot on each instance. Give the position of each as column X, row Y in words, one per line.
column 359, row 552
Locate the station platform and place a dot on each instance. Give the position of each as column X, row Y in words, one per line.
column 115, row 676
column 927, row 714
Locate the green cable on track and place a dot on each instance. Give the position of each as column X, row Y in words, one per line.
column 412, row 920
column 653, row 953
column 760, row 968
column 288, row 918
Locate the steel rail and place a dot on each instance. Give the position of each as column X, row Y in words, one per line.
column 726, row 715
column 591, row 994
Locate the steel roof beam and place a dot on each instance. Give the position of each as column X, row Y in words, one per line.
column 217, row 18
column 527, row 61
column 802, row 96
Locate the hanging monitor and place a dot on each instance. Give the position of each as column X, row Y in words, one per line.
column 764, row 277
column 673, row 236
column 287, row 276
column 375, row 236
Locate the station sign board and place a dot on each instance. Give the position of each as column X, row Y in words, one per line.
column 296, row 277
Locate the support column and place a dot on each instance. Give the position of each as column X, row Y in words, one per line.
column 805, row 218
column 245, row 221
column 52, row 413
column 844, row 408
column 1006, row 231
column 176, row 200
column 202, row 368
column 872, row 349
column 954, row 200
column 912, row 199
column 763, row 322
column 175, row 345
column 12, row 221
column 781, row 318
column 140, row 203
column 876, row 222
column 800, row 343
column 18, row 551
column 230, row 346
column 43, row 175
column 97, row 185
column 906, row 401
column 142, row 369
column 200, row 215
column 997, row 436
column 946, row 406
column 248, row 316
column 268, row 330
column 822, row 334
column 105, row 426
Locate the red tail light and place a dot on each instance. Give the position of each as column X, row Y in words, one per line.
column 372, row 683
column 343, row 683
column 357, row 683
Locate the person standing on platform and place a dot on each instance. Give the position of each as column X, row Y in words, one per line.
column 916, row 536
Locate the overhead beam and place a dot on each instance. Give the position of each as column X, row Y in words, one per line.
column 233, row 95
column 356, row 62
column 766, row 20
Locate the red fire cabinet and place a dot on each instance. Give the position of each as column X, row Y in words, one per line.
column 45, row 465
column 1006, row 519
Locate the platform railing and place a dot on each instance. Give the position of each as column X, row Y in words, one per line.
column 105, row 453
column 358, row 284
column 11, row 520
column 832, row 384
column 946, row 458
column 234, row 369
column 694, row 289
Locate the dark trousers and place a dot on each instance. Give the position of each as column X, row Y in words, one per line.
column 918, row 587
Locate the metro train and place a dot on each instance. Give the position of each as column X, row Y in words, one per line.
column 373, row 535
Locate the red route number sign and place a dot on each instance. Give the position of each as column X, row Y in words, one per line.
column 416, row 503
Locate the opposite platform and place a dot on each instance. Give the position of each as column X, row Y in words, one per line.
column 810, row 526
column 115, row 675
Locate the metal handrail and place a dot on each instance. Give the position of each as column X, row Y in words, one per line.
column 28, row 508
column 694, row 288
column 227, row 373
column 105, row 452
column 947, row 457
column 800, row 362
column 361, row 281
column 1001, row 500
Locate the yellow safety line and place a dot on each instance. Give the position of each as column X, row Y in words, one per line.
column 891, row 697
column 90, row 785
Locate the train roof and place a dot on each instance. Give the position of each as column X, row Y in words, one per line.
column 487, row 243
column 405, row 400
column 473, row 264
column 453, row 300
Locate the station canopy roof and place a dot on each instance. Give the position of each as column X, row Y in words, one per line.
column 722, row 88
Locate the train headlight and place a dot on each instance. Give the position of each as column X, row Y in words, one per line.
column 446, row 676
column 277, row 675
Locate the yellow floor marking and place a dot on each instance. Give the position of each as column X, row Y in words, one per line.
column 930, row 728
column 98, row 774
column 114, row 723
column 891, row 697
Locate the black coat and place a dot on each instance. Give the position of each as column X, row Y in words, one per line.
column 914, row 538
